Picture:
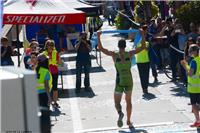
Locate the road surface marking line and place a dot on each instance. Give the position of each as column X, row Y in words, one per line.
column 75, row 112
column 125, row 127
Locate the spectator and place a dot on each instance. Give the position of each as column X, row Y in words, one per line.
column 111, row 17
column 198, row 41
column 174, row 52
column 152, row 31
column 32, row 61
column 193, row 31
column 54, row 61
column 33, row 47
column 189, row 42
column 165, row 42
column 6, row 52
column 193, row 87
column 143, row 64
column 43, row 89
column 83, row 61
column 159, row 43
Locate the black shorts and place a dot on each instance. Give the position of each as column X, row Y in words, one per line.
column 43, row 99
column 54, row 82
column 195, row 98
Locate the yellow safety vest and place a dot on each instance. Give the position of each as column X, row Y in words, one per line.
column 41, row 79
column 142, row 56
column 194, row 80
column 53, row 60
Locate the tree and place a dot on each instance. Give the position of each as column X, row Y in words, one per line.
column 144, row 11
column 188, row 13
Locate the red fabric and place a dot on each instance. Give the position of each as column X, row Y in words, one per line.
column 53, row 68
column 28, row 51
column 44, row 19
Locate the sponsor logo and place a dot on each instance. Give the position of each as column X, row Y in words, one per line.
column 51, row 19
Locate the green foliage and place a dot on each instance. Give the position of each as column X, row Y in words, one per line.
column 188, row 13
column 139, row 11
column 154, row 10
column 121, row 22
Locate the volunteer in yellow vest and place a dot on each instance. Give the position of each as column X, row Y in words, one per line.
column 193, row 88
column 143, row 64
column 43, row 78
column 43, row 89
column 54, row 60
column 124, row 81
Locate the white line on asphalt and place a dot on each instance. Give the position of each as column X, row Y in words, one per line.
column 75, row 112
column 126, row 127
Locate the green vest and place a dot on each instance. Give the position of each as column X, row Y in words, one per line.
column 194, row 80
column 123, row 70
column 41, row 80
column 142, row 56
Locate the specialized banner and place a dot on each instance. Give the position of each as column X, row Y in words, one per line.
column 43, row 19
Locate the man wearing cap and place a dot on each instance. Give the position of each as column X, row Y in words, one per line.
column 193, row 87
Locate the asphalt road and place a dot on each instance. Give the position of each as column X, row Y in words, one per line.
column 165, row 111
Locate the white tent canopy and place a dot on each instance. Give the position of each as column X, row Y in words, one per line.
column 41, row 12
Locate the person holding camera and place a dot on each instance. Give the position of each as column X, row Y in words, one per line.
column 6, row 52
column 83, row 61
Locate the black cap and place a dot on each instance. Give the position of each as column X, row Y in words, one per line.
column 193, row 47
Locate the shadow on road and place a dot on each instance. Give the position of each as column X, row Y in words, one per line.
column 133, row 130
column 73, row 58
column 148, row 96
column 92, row 70
column 180, row 90
column 155, row 84
column 56, row 112
column 70, row 93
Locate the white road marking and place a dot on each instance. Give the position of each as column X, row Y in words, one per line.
column 75, row 112
column 125, row 127
column 164, row 130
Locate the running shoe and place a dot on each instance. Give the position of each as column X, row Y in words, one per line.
column 130, row 125
column 120, row 119
column 195, row 124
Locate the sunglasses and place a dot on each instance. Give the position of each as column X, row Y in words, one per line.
column 50, row 45
column 33, row 47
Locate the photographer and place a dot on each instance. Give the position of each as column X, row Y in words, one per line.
column 178, row 45
column 6, row 52
column 83, row 61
